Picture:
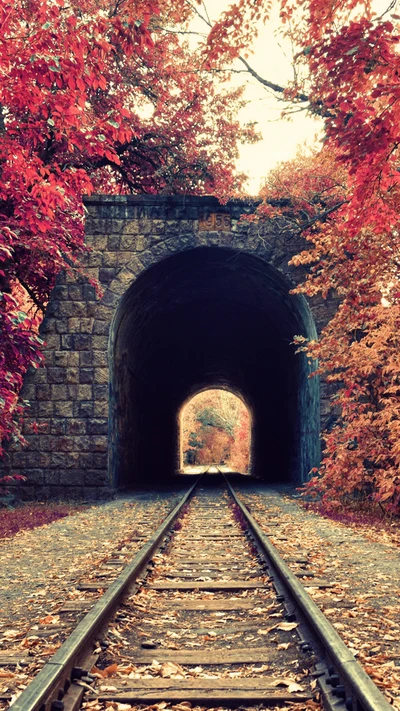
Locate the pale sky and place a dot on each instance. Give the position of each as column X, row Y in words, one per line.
column 271, row 59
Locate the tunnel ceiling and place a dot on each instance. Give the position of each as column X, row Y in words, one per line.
column 208, row 317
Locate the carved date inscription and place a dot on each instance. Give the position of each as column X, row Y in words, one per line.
column 216, row 221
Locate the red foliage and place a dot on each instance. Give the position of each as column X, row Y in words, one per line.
column 28, row 516
column 346, row 202
column 93, row 95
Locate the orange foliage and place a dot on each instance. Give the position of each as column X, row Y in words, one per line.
column 215, row 428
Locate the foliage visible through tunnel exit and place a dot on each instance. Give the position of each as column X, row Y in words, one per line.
column 215, row 428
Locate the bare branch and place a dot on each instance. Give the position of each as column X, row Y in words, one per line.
column 265, row 82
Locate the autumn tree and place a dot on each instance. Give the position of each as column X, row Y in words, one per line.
column 345, row 200
column 215, row 427
column 94, row 95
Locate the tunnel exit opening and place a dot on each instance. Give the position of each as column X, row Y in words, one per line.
column 215, row 428
column 211, row 315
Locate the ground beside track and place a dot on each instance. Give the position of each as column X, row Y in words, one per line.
column 40, row 567
column 362, row 563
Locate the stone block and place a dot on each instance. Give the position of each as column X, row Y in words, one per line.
column 48, row 326
column 76, row 426
column 98, row 242
column 62, row 325
column 100, row 358
column 123, row 258
column 84, row 392
column 101, row 328
column 99, row 443
column 131, row 227
column 86, row 325
column 63, row 408
column 98, row 493
column 29, row 391
column 52, row 477
column 53, row 341
column 26, row 492
column 82, row 341
column 60, row 292
column 67, row 342
column 71, row 375
column 100, row 343
column 100, row 460
column 74, row 493
column 73, row 309
column 97, row 427
column 56, row 375
column 110, row 299
column 100, row 409
column 91, row 309
column 75, row 292
column 104, row 313
column 145, row 226
column 33, row 409
column 71, row 478
column 62, row 443
column 86, row 375
column 58, row 426
column 72, row 389
column 85, row 358
column 89, row 292
column 128, row 243
column 106, row 275
column 45, row 408
column 92, row 273
column 113, row 243
column 19, row 459
column 43, row 392
column 101, row 375
column 38, row 375
column 118, row 287
column 94, row 259
column 59, row 392
column 100, row 392
column 35, row 476
column 85, row 409
column 65, row 359
column 110, row 259
column 85, row 460
column 157, row 227
column 95, row 477
column 64, row 460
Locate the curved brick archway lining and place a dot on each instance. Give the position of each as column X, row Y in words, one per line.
column 211, row 316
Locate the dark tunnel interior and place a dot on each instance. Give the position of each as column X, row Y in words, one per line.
column 211, row 317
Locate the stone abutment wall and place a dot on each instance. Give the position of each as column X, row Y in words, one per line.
column 191, row 297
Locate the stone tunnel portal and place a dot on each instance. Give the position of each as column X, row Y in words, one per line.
column 211, row 317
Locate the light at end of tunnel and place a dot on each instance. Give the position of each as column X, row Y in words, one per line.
column 215, row 431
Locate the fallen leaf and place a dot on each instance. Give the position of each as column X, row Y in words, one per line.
column 170, row 669
column 286, row 626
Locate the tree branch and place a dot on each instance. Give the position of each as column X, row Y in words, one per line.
column 275, row 87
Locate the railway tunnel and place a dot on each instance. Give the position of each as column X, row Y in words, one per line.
column 211, row 317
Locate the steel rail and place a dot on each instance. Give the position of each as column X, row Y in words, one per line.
column 43, row 689
column 361, row 686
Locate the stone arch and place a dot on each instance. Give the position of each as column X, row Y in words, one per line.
column 74, row 449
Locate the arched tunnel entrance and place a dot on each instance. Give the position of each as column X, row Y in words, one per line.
column 211, row 317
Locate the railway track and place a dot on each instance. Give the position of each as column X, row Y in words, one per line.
column 205, row 614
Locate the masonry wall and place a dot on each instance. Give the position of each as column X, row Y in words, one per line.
column 69, row 396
